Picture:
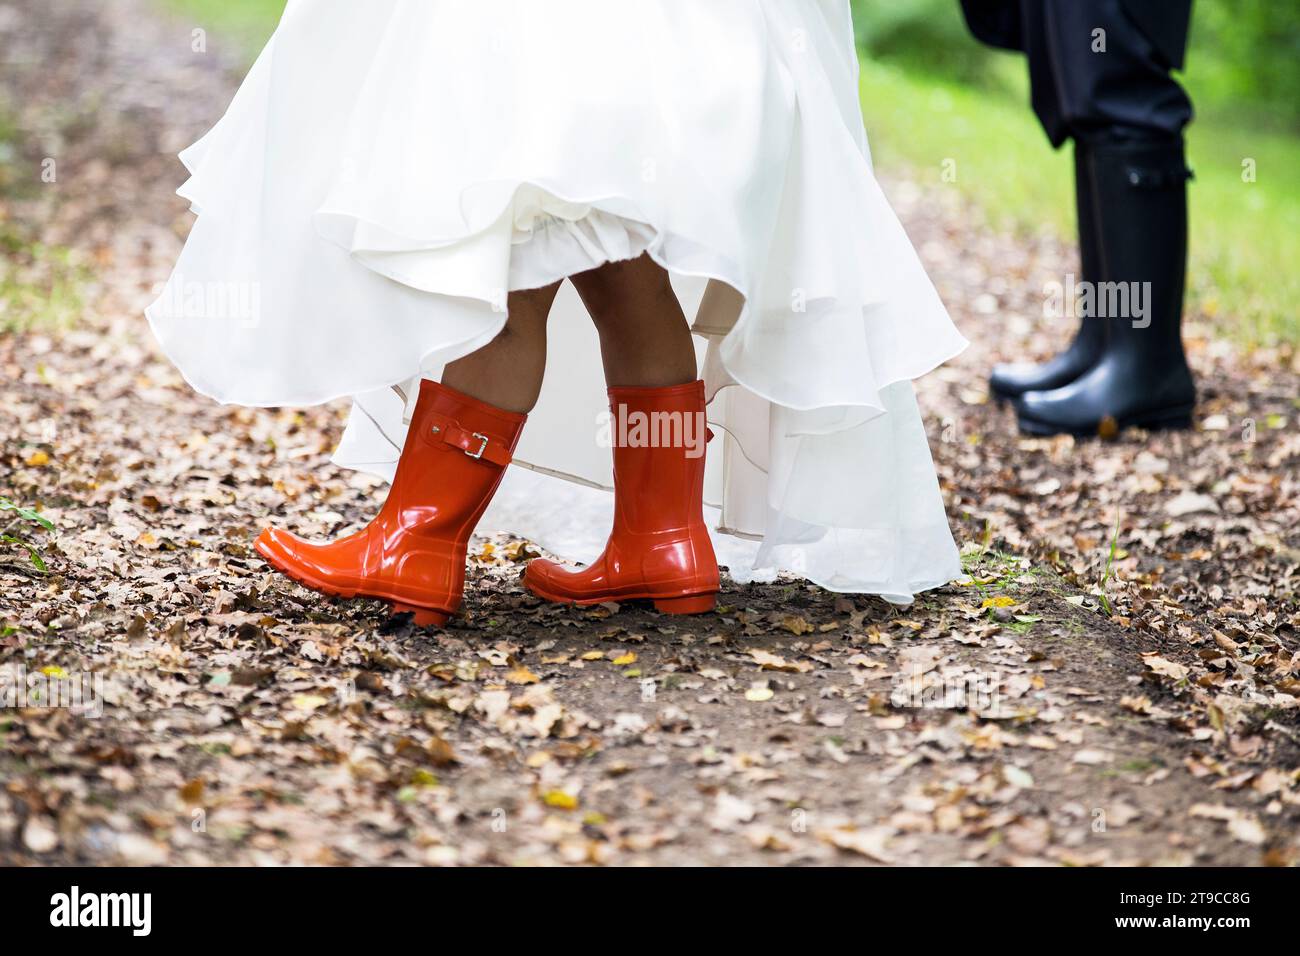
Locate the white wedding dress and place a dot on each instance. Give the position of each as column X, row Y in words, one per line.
column 390, row 169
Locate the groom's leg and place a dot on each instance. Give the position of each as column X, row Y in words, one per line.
column 1102, row 68
column 1103, row 74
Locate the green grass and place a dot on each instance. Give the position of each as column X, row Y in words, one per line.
column 40, row 285
column 1245, row 236
column 244, row 24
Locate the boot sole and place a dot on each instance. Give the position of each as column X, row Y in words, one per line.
column 1178, row 418
column 685, row 604
column 422, row 616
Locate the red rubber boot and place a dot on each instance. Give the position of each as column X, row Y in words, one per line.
column 659, row 548
column 413, row 554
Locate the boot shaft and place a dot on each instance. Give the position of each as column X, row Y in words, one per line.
column 1141, row 216
column 455, row 456
column 1091, row 337
column 659, row 436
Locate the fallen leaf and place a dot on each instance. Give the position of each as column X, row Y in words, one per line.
column 871, row 843
column 39, row 836
column 560, row 800
column 1092, row 757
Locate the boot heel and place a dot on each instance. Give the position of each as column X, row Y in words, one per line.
column 422, row 616
column 696, row 604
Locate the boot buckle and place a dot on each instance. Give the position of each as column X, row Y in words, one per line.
column 483, row 439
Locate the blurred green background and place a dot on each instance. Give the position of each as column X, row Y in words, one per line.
column 930, row 93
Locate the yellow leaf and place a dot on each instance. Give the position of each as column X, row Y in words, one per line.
column 424, row 778
column 624, row 659
column 54, row 671
column 759, row 693
column 593, row 656
column 560, row 800
column 522, row 675
column 38, row 459
column 1000, row 601
column 309, row 701
column 517, row 551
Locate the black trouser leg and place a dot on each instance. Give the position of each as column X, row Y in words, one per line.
column 1012, row 380
column 1142, row 378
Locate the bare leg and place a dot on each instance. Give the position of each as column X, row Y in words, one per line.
column 507, row 372
column 645, row 341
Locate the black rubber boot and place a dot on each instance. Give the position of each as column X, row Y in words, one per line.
column 1142, row 378
column 1012, row 380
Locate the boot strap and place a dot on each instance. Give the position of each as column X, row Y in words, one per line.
column 474, row 444
column 1144, row 178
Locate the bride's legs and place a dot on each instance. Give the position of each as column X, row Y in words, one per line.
column 507, row 372
column 645, row 340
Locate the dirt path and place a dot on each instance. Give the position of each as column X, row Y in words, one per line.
column 1008, row 719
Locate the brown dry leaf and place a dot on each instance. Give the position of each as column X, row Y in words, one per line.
column 192, row 791
column 1242, row 826
column 774, row 662
column 1092, row 757
column 39, row 835
column 1136, row 705
column 796, row 625
column 728, row 811
column 872, row 842
column 1122, row 814
column 1190, row 502
column 441, row 753
column 1165, row 668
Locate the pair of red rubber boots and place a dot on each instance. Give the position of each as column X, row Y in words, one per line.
column 412, row 555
